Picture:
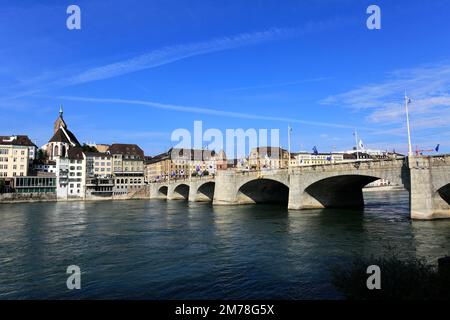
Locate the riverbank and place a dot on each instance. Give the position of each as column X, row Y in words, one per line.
column 51, row 197
column 383, row 188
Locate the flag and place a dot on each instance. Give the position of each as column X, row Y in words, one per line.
column 437, row 148
column 360, row 145
column 315, row 150
column 329, row 158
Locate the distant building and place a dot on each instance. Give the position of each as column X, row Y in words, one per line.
column 16, row 155
column 42, row 183
column 99, row 164
column 65, row 151
column 61, row 141
column 48, row 166
column 128, row 167
column 307, row 159
column 180, row 163
column 71, row 175
column 268, row 158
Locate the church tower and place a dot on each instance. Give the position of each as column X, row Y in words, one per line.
column 60, row 121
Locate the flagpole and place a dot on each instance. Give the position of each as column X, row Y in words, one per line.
column 356, row 141
column 289, row 145
column 410, row 153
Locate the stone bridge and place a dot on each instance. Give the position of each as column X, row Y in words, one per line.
column 322, row 186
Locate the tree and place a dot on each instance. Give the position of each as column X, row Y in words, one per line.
column 87, row 148
column 41, row 155
column 2, row 185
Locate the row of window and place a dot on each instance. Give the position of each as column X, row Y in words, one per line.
column 118, row 181
column 6, row 151
column 5, row 174
column 102, row 163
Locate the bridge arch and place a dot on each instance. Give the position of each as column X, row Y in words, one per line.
column 162, row 191
column 205, row 192
column 337, row 191
column 263, row 190
column 444, row 193
column 181, row 191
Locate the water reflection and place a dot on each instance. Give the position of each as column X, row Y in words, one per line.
column 181, row 250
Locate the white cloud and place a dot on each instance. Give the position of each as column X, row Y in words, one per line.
column 428, row 86
column 174, row 53
column 206, row 111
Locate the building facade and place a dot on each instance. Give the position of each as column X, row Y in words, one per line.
column 15, row 157
column 308, row 159
column 262, row 158
column 127, row 166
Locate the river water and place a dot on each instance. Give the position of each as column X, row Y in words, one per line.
column 179, row 250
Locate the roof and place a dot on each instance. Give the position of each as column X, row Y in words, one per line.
column 196, row 154
column 126, row 149
column 97, row 154
column 75, row 153
column 19, row 140
column 60, row 136
column 269, row 151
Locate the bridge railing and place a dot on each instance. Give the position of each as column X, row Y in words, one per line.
column 187, row 179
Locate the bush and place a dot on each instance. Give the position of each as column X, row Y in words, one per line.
column 412, row 279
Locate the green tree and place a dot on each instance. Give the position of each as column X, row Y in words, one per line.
column 41, row 155
column 87, row 148
column 2, row 185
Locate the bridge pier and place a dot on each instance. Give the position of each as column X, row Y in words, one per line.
column 226, row 189
column 427, row 179
column 195, row 194
column 298, row 198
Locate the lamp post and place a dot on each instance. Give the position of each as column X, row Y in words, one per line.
column 407, row 101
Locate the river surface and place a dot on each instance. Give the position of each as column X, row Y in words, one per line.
column 178, row 250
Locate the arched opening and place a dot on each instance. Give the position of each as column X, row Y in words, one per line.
column 206, row 192
column 263, row 191
column 444, row 192
column 56, row 153
column 181, row 192
column 163, row 191
column 337, row 192
column 63, row 151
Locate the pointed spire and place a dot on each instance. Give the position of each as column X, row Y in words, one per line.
column 60, row 110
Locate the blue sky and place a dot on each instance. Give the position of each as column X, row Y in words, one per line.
column 137, row 70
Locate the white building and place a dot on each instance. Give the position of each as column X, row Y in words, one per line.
column 61, row 141
column 307, row 159
column 70, row 161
